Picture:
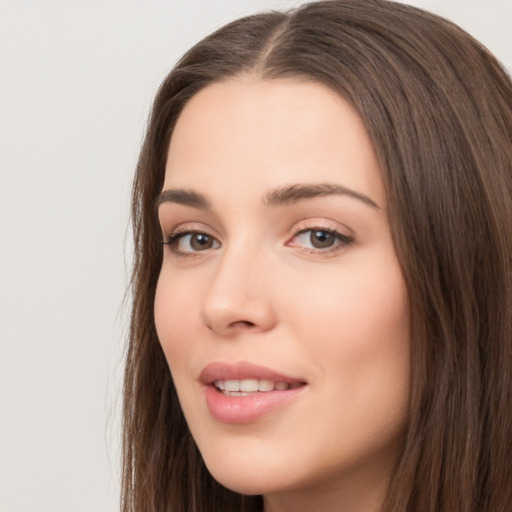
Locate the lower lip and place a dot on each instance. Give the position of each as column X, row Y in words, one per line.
column 246, row 409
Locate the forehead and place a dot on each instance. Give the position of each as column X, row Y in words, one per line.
column 270, row 132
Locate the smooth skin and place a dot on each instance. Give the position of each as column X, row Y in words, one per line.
column 307, row 286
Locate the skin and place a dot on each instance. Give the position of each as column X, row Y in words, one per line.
column 262, row 291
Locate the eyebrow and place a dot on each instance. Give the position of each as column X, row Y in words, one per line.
column 281, row 196
column 299, row 192
column 184, row 197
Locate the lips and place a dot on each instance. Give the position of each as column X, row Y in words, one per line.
column 242, row 370
column 244, row 392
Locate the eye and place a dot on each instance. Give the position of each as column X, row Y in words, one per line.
column 191, row 242
column 320, row 239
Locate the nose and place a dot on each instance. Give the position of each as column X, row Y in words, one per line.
column 239, row 298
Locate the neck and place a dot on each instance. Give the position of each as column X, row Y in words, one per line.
column 359, row 493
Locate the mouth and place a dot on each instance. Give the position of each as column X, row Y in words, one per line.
column 247, row 387
column 243, row 392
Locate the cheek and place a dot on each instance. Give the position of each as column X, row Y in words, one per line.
column 355, row 311
column 356, row 331
column 174, row 311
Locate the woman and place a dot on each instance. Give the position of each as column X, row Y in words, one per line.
column 322, row 284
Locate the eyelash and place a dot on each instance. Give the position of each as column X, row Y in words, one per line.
column 341, row 241
column 174, row 238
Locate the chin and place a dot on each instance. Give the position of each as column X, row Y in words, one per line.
column 246, row 478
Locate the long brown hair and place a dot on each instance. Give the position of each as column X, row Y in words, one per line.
column 438, row 108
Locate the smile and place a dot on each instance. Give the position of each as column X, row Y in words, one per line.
column 246, row 387
column 243, row 393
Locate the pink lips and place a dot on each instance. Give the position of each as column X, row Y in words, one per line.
column 245, row 409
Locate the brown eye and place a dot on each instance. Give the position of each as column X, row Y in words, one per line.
column 321, row 239
column 200, row 241
column 191, row 242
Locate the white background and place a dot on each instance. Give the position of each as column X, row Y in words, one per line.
column 76, row 82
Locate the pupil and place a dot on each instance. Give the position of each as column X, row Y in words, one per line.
column 201, row 241
column 321, row 239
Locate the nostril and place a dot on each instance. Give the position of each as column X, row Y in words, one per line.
column 243, row 324
column 228, row 315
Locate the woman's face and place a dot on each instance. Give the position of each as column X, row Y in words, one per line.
column 280, row 284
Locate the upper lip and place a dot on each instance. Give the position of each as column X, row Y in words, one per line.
column 242, row 370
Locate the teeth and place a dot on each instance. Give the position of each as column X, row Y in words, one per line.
column 249, row 385
column 242, row 387
column 265, row 385
column 232, row 385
